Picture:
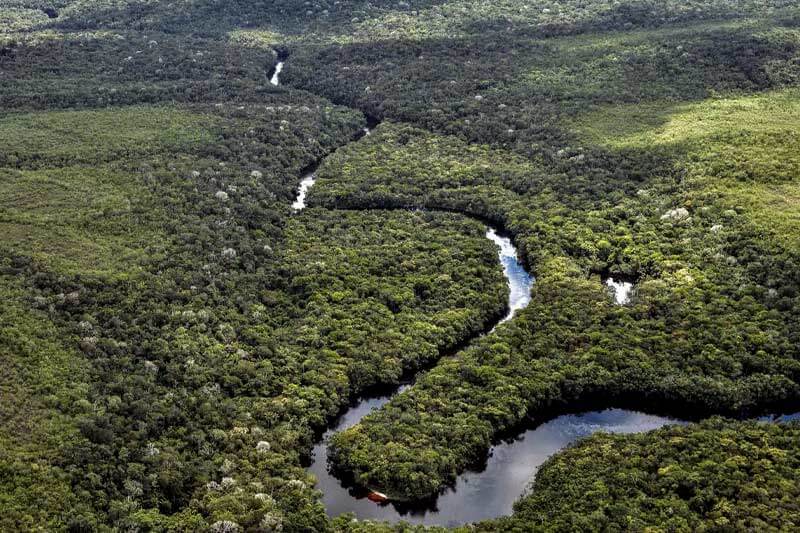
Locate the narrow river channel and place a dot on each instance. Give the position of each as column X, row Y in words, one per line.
column 510, row 467
column 491, row 491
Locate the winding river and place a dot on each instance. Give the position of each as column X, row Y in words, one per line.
column 490, row 491
column 477, row 495
column 510, row 468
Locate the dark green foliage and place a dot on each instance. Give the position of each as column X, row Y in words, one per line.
column 696, row 335
column 118, row 68
column 173, row 336
column 271, row 337
column 512, row 90
column 718, row 475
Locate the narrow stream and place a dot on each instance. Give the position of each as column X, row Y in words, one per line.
column 621, row 290
column 491, row 491
column 519, row 281
column 275, row 79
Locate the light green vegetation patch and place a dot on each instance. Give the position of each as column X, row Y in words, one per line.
column 70, row 137
column 742, row 147
column 720, row 122
column 262, row 39
column 18, row 19
column 76, row 219
column 41, row 381
column 669, row 63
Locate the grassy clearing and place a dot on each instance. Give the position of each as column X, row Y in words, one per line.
column 73, row 206
column 744, row 148
column 89, row 136
column 94, row 221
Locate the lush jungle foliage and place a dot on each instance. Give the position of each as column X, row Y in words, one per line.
column 715, row 476
column 712, row 326
column 719, row 475
column 173, row 337
column 203, row 318
column 209, row 321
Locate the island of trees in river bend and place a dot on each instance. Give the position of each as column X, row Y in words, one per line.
column 175, row 337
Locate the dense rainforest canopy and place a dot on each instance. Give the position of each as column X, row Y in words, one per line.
column 174, row 337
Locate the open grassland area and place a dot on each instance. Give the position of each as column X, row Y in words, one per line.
column 93, row 136
column 64, row 201
column 740, row 148
column 174, row 337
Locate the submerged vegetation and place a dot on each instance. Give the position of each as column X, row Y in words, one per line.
column 174, row 337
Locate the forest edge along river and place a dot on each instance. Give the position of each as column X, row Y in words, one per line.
column 511, row 465
column 491, row 490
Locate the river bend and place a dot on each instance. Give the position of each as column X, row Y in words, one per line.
column 491, row 491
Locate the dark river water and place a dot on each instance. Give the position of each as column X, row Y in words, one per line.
column 477, row 496
column 512, row 464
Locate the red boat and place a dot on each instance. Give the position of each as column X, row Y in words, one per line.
column 378, row 497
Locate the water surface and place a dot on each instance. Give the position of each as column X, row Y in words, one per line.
column 519, row 281
column 275, row 80
column 305, row 183
column 788, row 417
column 336, row 498
column 490, row 493
column 620, row 289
